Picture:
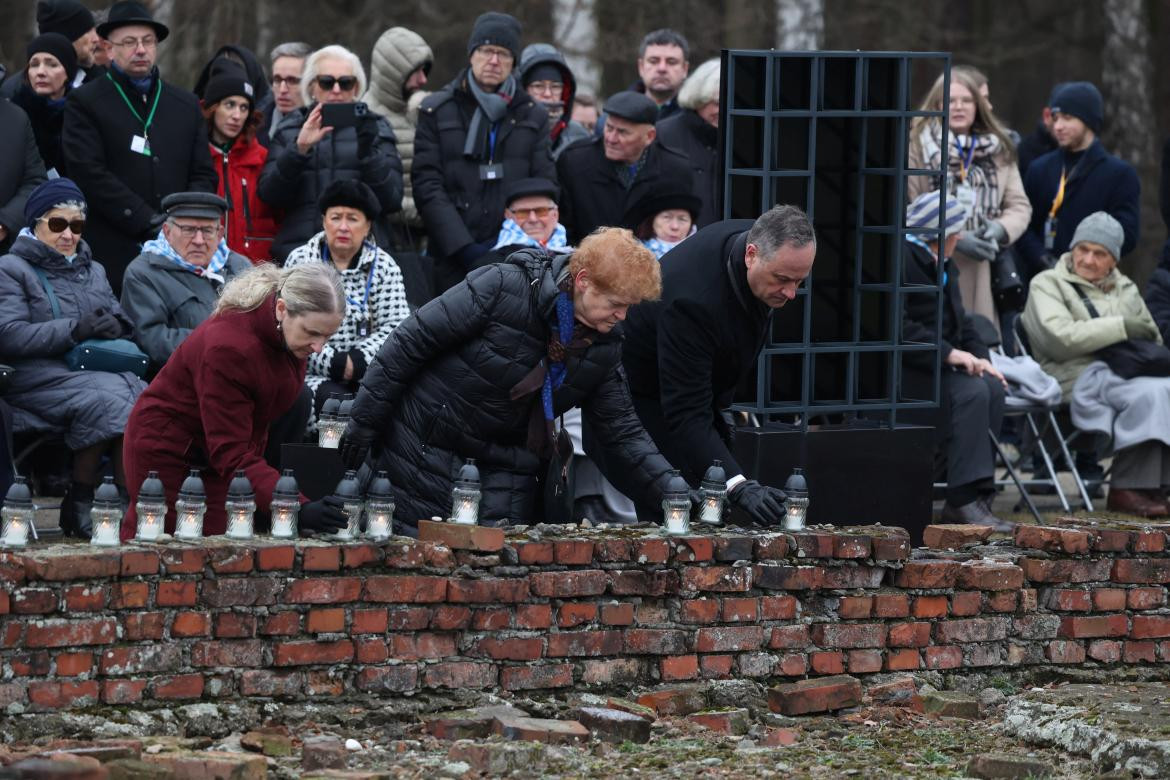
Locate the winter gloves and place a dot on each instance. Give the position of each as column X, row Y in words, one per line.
column 324, row 515
column 763, row 504
column 97, row 324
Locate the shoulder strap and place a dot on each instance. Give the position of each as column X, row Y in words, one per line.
column 1085, row 300
column 48, row 290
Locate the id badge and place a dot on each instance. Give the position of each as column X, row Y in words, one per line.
column 492, row 172
column 140, row 144
column 1050, row 233
column 363, row 328
column 965, row 194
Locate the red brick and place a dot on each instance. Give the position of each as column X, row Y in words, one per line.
column 136, row 659
column 891, row 546
column 584, row 643
column 902, row 660
column 680, row 667
column 865, row 661
column 827, row 662
column 778, row 608
column 324, row 684
column 849, row 634
column 853, row 576
column 11, row 634
column 792, row 665
column 1095, row 626
column 722, row 579
column 536, row 677
column 301, row 653
column 930, row 606
column 510, row 649
column 741, row 610
column 438, row 556
column 909, row 635
column 231, row 654
column 716, row 667
column 1029, row 600
column 851, row 546
column 276, row 558
column 371, row 650
column 234, row 625
column 139, row 563
column 230, row 560
column 623, row 671
column 853, row 607
column 534, row 553
column 972, row 630
column 448, row 617
column 36, row 664
column 954, row 536
column 143, row 625
column 423, row 645
column 407, row 553
column 789, row 637
column 807, row 696
column 927, row 574
column 387, row 680
column 1064, row 652
column 658, row 583
column 487, row 591
column 699, row 611
column 491, row 619
column 321, row 559
column 1107, row 651
column 176, row 593
column 281, row 624
column 1148, row 541
column 1145, row 598
column 943, row 657
column 73, row 664
column 615, row 614
column 693, row 549
column 991, row 576
column 355, row 556
column 576, row 613
column 777, row 577
column 729, row 639
column 1138, row 652
column 891, row 605
column 462, row 674
column 325, row 621
column 458, row 536
column 651, row 551
column 188, row 624
column 531, row 616
column 1002, row 601
column 1141, row 570
column 129, row 595
column 241, row 591
column 61, row 695
column 771, row 548
column 183, row 560
column 326, row 590
column 181, row 686
column 653, row 641
column 1069, row 600
column 967, row 603
column 613, row 550
column 1108, row 599
column 1065, row 540
column 68, row 633
column 1164, row 651
column 1066, row 571
column 729, row 549
column 34, row 601
column 573, row 552
column 369, row 621
column 407, row 589
column 93, row 564
column 568, row 584
column 1149, row 626
column 814, row 544
column 122, row 691
column 85, row 598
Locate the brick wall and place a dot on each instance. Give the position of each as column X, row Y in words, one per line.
column 472, row 608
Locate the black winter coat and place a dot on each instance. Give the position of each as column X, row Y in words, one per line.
column 457, row 206
column 47, row 122
column 294, row 182
column 686, row 132
column 21, row 169
column 124, row 188
column 686, row 353
column 440, row 391
column 592, row 196
column 1157, row 296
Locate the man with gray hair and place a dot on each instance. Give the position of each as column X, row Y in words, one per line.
column 288, row 64
column 686, row 353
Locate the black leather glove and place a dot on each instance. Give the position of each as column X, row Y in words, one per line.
column 355, row 444
column 763, row 504
column 94, row 324
column 977, row 248
column 325, row 515
column 1139, row 329
column 367, row 133
column 108, row 327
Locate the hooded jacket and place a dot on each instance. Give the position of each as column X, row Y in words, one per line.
column 563, row 132
column 398, row 53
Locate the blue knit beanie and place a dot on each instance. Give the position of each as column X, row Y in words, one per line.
column 1082, row 100
column 46, row 196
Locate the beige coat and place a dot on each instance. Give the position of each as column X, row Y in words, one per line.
column 398, row 53
column 1015, row 214
column 1063, row 335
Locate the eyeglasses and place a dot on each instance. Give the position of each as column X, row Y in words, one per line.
column 291, row 81
column 487, row 52
column 208, row 232
column 546, row 88
column 149, row 42
column 540, row 212
column 345, row 82
column 58, row 224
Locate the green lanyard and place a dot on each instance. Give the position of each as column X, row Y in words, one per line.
column 150, row 117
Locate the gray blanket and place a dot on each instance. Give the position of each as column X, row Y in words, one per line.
column 1027, row 382
column 1128, row 411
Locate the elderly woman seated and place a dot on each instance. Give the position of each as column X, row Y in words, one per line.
column 53, row 296
column 1079, row 307
column 374, row 294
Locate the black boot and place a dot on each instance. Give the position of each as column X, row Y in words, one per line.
column 76, row 508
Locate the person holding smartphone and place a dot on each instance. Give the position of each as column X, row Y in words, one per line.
column 331, row 138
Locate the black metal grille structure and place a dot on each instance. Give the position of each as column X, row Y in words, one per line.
column 828, row 131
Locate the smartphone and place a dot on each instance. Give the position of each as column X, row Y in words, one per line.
column 339, row 115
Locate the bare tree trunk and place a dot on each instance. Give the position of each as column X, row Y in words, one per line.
column 800, row 25
column 575, row 34
column 1129, row 108
column 264, row 29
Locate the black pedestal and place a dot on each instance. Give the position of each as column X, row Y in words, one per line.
column 318, row 470
column 856, row 475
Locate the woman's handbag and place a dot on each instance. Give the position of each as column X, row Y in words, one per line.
column 1007, row 287
column 113, row 355
column 1131, row 359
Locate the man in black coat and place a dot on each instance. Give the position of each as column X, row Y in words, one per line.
column 130, row 139
column 686, row 353
column 601, row 178
column 474, row 136
column 21, row 170
column 483, row 371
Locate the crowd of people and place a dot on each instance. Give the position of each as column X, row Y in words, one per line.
column 425, row 248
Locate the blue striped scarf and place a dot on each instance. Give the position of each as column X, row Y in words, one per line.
column 161, row 247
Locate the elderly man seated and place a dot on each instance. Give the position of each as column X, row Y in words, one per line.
column 530, row 219
column 172, row 286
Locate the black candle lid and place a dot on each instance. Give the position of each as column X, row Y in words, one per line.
column 286, row 486
column 349, row 487
column 19, row 495
column 240, row 486
column 193, row 486
column 152, row 488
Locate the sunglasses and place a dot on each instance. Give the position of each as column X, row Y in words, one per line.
column 58, row 224
column 540, row 211
column 345, row 82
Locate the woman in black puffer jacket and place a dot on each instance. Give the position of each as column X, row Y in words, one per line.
column 463, row 378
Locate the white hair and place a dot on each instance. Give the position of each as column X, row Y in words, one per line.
column 331, row 52
column 701, row 87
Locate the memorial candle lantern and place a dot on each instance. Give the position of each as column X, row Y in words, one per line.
column 796, row 505
column 329, row 426
column 465, row 495
column 106, row 514
column 676, row 506
column 713, row 494
column 285, row 506
column 349, row 490
column 380, row 509
column 240, row 507
column 190, row 508
column 151, row 508
column 16, row 518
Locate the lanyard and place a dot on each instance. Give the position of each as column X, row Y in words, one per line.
column 150, row 117
column 1059, row 199
column 365, row 303
column 492, row 142
column 964, row 164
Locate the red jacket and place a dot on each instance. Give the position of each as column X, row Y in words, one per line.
column 210, row 408
column 251, row 223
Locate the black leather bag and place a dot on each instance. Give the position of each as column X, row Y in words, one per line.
column 1131, row 359
column 1007, row 286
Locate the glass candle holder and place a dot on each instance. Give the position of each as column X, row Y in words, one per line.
column 466, row 495
column 190, row 508
column 151, row 508
column 676, row 506
column 286, row 506
column 796, row 504
column 349, row 491
column 106, row 514
column 380, row 509
column 240, row 507
column 17, row 516
column 713, row 494
column 329, row 427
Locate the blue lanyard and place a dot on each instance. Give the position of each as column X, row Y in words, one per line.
column 365, row 303
column 492, row 141
column 914, row 239
column 969, row 154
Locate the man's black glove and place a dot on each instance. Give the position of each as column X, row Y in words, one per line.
column 355, row 444
column 96, row 324
column 763, row 504
column 367, row 133
column 325, row 515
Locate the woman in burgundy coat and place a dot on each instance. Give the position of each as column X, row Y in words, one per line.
column 212, row 404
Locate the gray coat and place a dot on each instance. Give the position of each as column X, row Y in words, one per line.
column 167, row 302
column 89, row 406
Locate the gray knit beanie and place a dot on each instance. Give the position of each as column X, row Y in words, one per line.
column 1100, row 228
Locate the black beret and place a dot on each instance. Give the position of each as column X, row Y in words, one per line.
column 353, row 194
column 197, row 205
column 524, row 188
column 633, row 106
column 661, row 195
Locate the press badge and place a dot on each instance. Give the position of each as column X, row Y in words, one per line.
column 491, row 172
column 363, row 328
column 1050, row 233
column 139, row 144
